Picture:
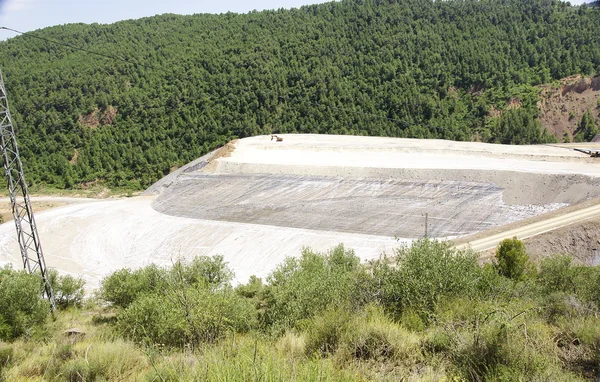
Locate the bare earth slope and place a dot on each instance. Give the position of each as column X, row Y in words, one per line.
column 263, row 200
column 562, row 106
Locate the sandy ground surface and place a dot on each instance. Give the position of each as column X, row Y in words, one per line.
column 261, row 201
column 39, row 204
column 93, row 239
column 379, row 152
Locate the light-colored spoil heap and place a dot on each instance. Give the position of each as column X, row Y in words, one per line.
column 257, row 201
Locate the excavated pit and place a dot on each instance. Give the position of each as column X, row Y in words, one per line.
column 257, row 201
column 383, row 188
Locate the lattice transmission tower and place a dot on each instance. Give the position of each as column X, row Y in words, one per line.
column 27, row 234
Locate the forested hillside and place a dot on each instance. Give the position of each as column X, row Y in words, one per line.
column 453, row 69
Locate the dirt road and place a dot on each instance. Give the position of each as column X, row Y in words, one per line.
column 529, row 230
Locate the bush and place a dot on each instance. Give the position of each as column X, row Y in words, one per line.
column 587, row 283
column 68, row 290
column 556, row 274
column 325, row 332
column 187, row 316
column 302, row 288
column 252, row 289
column 364, row 336
column 122, row 287
column 559, row 305
column 22, row 308
column 512, row 259
column 424, row 274
column 212, row 271
column 187, row 304
column 508, row 344
column 375, row 337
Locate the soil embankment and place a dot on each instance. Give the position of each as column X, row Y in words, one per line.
column 562, row 105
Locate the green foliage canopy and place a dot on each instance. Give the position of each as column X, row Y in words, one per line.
column 188, row 84
column 22, row 308
column 512, row 259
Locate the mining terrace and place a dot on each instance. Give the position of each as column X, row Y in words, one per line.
column 256, row 201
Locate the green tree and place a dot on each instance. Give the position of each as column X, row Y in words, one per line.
column 411, row 68
column 186, row 315
column 556, row 274
column 512, row 260
column 123, row 287
column 184, row 305
column 586, row 128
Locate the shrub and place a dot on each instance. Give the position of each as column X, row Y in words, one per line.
column 212, row 271
column 512, row 259
column 424, row 274
column 187, row 316
column 556, row 274
column 571, row 115
column 325, row 332
column 122, row 287
column 252, row 289
column 507, row 344
column 68, row 290
column 559, row 305
column 22, row 308
column 587, row 283
column 373, row 336
column 302, row 288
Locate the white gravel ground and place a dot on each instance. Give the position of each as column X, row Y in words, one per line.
column 382, row 153
column 92, row 239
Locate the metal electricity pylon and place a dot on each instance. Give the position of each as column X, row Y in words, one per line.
column 27, row 234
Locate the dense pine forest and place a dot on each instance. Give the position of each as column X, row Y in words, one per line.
column 170, row 88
